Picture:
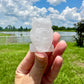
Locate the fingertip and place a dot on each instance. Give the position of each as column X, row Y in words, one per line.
column 56, row 35
column 55, row 68
column 58, row 61
column 56, row 38
column 62, row 43
column 41, row 54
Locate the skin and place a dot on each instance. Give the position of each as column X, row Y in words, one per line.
column 41, row 68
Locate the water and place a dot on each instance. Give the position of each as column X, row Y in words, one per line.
column 17, row 33
column 24, row 37
column 28, row 33
column 67, row 33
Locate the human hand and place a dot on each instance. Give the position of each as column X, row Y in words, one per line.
column 41, row 68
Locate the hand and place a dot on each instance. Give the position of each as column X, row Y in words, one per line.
column 41, row 68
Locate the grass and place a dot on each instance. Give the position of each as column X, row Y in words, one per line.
column 1, row 34
column 3, row 38
column 10, row 57
column 72, row 71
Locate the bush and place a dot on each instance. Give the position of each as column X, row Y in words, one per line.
column 79, row 30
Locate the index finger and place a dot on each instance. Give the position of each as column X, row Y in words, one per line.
column 26, row 64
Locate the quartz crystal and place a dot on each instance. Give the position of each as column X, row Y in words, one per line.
column 41, row 35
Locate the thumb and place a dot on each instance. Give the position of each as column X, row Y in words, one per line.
column 40, row 64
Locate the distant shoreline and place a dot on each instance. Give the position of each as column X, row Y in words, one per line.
column 53, row 30
column 64, row 30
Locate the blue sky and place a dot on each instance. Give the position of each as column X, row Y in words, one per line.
column 61, row 6
column 21, row 12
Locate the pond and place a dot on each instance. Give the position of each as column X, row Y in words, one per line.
column 24, row 37
column 28, row 33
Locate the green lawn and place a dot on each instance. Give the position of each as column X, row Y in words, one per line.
column 1, row 34
column 72, row 71
column 3, row 38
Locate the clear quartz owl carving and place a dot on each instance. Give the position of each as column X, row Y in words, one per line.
column 41, row 35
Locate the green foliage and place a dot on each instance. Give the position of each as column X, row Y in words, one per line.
column 79, row 29
column 72, row 71
column 1, row 28
column 55, row 27
column 13, row 28
column 20, row 29
column 63, row 28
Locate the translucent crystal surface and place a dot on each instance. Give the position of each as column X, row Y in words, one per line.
column 41, row 35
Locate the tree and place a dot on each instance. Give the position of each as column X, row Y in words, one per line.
column 20, row 29
column 55, row 27
column 9, row 27
column 25, row 29
column 1, row 28
column 13, row 28
column 6, row 29
column 62, row 28
column 79, row 29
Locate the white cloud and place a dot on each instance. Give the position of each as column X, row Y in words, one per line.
column 82, row 10
column 71, row 14
column 55, row 16
column 66, row 18
column 26, row 23
column 83, row 3
column 23, row 10
column 55, row 2
column 7, row 20
column 52, row 10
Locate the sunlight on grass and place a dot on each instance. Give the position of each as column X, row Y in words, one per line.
column 71, row 72
column 1, row 34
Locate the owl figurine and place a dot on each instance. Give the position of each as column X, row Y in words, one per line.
column 41, row 35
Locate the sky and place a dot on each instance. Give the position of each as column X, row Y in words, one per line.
column 21, row 12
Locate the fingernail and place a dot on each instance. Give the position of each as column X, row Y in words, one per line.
column 40, row 54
